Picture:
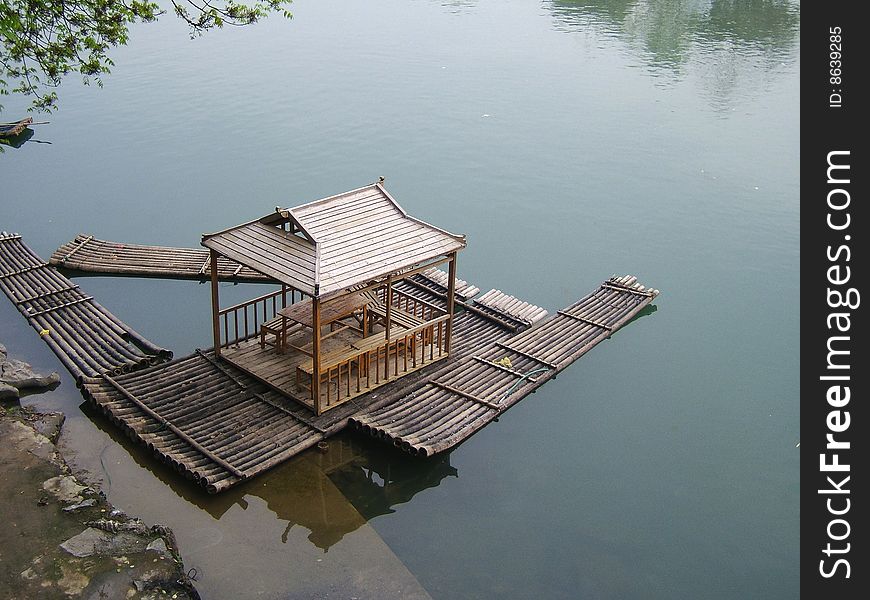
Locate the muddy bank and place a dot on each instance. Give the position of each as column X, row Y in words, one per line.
column 60, row 538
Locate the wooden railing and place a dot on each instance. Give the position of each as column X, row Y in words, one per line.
column 407, row 350
column 411, row 304
column 242, row 321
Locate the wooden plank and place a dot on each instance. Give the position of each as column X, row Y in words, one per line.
column 513, row 372
column 78, row 247
column 397, row 266
column 215, row 303
column 585, row 320
column 620, row 288
column 315, row 349
column 376, row 283
column 47, row 294
column 379, row 254
column 323, row 208
column 298, row 281
column 267, row 252
column 465, row 394
column 451, row 299
column 205, row 264
column 334, row 310
column 244, row 387
column 59, row 306
column 177, row 431
column 269, row 245
column 22, row 271
column 526, row 354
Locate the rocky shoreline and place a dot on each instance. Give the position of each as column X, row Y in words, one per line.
column 60, row 537
column 17, row 375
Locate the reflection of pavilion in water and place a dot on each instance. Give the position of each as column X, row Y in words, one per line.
column 379, row 479
column 334, row 493
column 330, row 494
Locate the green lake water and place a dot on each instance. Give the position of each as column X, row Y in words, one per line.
column 570, row 140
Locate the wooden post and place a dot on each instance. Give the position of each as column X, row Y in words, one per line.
column 451, row 292
column 365, row 321
column 215, row 304
column 315, row 351
column 389, row 299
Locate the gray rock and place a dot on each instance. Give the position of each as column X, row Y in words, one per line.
column 7, row 391
column 80, row 505
column 159, row 546
column 49, row 425
column 21, row 438
column 134, row 526
column 3, row 354
column 64, row 488
column 19, row 374
column 92, row 542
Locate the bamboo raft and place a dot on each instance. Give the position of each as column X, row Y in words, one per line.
column 87, row 338
column 219, row 426
column 88, row 254
column 8, row 130
column 91, row 255
column 462, row 397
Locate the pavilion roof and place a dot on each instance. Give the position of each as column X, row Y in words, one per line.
column 335, row 243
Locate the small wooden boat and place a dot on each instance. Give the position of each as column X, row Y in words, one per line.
column 13, row 129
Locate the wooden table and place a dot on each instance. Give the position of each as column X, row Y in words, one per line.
column 330, row 312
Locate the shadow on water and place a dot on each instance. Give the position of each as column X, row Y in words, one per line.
column 644, row 312
column 331, row 494
column 16, row 141
column 379, row 478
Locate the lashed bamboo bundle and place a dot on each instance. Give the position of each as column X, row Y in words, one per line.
column 208, row 421
column 219, row 426
column 436, row 280
column 225, row 414
column 512, row 307
column 87, row 338
column 89, row 254
column 454, row 403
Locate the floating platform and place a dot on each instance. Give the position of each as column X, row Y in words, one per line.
column 87, row 338
column 8, row 130
column 88, row 254
column 462, row 397
column 219, row 426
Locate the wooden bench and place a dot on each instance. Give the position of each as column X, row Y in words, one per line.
column 360, row 349
column 274, row 327
column 281, row 329
column 397, row 316
column 331, row 359
column 328, row 362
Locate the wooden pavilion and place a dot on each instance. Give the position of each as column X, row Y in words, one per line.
column 336, row 328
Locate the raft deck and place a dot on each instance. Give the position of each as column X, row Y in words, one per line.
column 219, row 426
column 88, row 254
column 9, row 130
column 87, row 338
